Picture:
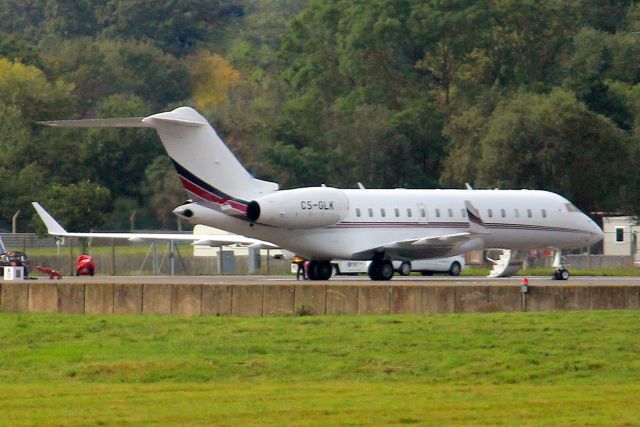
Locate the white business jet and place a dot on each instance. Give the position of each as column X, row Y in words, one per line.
column 325, row 223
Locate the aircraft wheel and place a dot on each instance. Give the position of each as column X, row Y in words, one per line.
column 324, row 270
column 455, row 269
column 319, row 270
column 373, row 270
column 312, row 270
column 405, row 268
column 561, row 274
column 381, row 270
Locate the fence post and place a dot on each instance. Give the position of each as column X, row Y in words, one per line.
column 71, row 257
column 113, row 257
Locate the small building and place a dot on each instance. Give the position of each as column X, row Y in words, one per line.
column 620, row 236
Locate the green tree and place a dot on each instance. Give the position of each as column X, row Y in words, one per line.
column 71, row 18
column 527, row 39
column 28, row 89
column 100, row 69
column 176, row 26
column 17, row 49
column 586, row 72
column 551, row 142
column 464, row 149
column 164, row 191
column 117, row 158
column 25, row 17
column 451, row 34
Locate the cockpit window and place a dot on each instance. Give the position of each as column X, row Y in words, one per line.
column 571, row 208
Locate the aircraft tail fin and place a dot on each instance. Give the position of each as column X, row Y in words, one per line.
column 208, row 170
column 53, row 227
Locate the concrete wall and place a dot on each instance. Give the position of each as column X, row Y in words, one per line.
column 308, row 299
column 586, row 262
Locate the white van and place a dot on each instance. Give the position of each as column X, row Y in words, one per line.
column 451, row 265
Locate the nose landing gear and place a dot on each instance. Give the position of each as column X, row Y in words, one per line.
column 561, row 273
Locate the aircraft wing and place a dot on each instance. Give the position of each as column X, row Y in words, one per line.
column 425, row 247
column 54, row 228
column 437, row 246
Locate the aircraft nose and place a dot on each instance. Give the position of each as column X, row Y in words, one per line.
column 596, row 232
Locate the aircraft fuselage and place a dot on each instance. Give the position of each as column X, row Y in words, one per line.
column 515, row 219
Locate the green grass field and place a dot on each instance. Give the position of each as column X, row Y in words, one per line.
column 566, row 368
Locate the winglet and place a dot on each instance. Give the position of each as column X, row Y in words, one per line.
column 53, row 227
column 476, row 224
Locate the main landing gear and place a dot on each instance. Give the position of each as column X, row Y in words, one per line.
column 380, row 269
column 319, row 270
column 561, row 273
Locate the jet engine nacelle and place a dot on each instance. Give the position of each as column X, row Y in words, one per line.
column 300, row 208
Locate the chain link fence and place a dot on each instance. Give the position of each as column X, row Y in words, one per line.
column 122, row 257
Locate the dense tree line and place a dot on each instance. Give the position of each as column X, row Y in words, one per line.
column 392, row 93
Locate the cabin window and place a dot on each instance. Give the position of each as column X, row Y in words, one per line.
column 370, row 213
column 529, row 213
column 490, row 213
column 450, row 213
column 423, row 213
column 619, row 234
column 397, row 212
column 503, row 213
column 358, row 212
column 409, row 212
column 463, row 212
column 382, row 213
column 516, row 213
column 544, row 213
column 438, row 213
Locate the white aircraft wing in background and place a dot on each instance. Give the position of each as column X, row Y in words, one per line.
column 55, row 229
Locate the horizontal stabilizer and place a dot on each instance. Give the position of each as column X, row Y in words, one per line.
column 208, row 170
column 55, row 229
column 125, row 122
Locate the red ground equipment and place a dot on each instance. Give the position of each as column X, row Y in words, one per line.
column 50, row 271
column 85, row 265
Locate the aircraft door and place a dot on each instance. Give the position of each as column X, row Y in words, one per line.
column 422, row 213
